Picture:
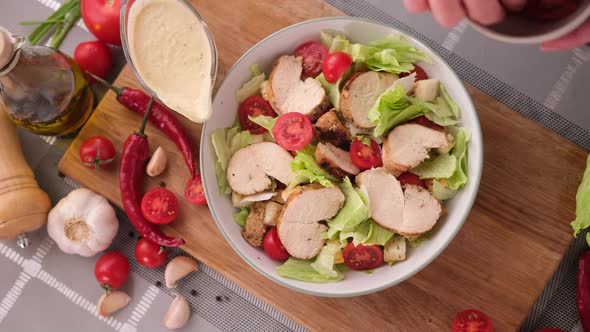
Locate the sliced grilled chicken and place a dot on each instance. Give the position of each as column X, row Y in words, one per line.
column 335, row 161
column 287, row 93
column 330, row 129
column 408, row 212
column 360, row 93
column 407, row 146
column 299, row 228
column 255, row 228
column 251, row 168
column 386, row 197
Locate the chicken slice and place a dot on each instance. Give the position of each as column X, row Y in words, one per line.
column 407, row 146
column 360, row 93
column 408, row 212
column 255, row 228
column 250, row 169
column 299, row 228
column 330, row 129
column 335, row 161
column 287, row 93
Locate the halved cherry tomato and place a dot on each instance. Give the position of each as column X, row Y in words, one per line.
column 336, row 64
column 254, row 106
column 420, row 73
column 362, row 257
column 293, row 131
column 159, row 206
column 313, row 54
column 472, row 321
column 194, row 191
column 97, row 152
column 423, row 120
column 150, row 254
column 410, row 178
column 273, row 247
column 111, row 270
column 365, row 157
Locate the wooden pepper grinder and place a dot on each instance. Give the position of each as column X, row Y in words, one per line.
column 23, row 205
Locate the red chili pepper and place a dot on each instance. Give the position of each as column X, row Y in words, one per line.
column 136, row 151
column 161, row 117
column 583, row 291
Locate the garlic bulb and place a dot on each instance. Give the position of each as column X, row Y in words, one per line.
column 83, row 223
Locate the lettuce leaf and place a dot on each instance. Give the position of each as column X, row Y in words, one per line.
column 392, row 54
column 459, row 177
column 324, row 263
column 441, row 191
column 440, row 167
column 302, row 270
column 225, row 143
column 444, row 111
column 354, row 211
column 306, row 170
column 252, row 87
column 391, row 109
column 241, row 216
column 267, row 122
column 333, row 89
column 359, row 234
column 377, row 234
column 583, row 204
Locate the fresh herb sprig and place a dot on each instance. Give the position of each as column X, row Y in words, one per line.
column 60, row 22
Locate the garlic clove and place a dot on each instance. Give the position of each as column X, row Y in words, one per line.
column 157, row 163
column 178, row 268
column 111, row 302
column 178, row 314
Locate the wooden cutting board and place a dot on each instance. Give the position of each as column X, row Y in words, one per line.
column 499, row 262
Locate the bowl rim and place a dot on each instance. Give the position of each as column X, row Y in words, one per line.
column 125, row 43
column 476, row 178
column 566, row 27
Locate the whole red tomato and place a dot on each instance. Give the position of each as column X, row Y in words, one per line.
column 97, row 152
column 111, row 270
column 150, row 254
column 94, row 57
column 102, row 19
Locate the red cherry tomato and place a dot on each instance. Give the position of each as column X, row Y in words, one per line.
column 94, row 57
column 472, row 321
column 336, row 64
column 111, row 270
column 549, row 10
column 410, row 178
column 293, row 131
column 313, row 54
column 97, row 152
column 362, row 257
column 101, row 17
column 420, row 73
column 149, row 254
column 365, row 157
column 424, row 121
column 273, row 247
column 159, row 206
column 194, row 191
column 254, row 106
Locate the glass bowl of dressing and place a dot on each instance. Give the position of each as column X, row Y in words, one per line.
column 172, row 54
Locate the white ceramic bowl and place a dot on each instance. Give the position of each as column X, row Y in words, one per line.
column 224, row 114
column 518, row 30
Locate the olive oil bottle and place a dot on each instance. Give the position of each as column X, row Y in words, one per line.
column 43, row 90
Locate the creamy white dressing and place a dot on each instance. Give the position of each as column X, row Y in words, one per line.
column 171, row 52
